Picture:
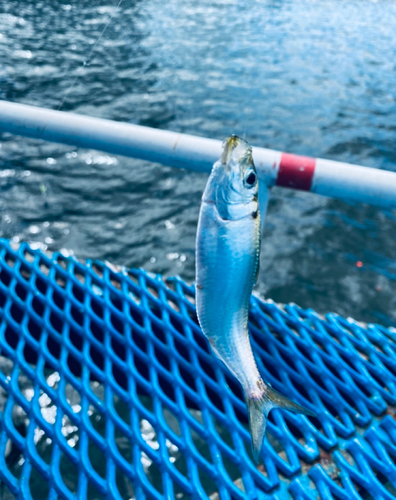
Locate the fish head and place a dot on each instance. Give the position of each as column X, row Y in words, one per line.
column 233, row 185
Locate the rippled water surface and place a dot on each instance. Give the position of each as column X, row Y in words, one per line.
column 310, row 77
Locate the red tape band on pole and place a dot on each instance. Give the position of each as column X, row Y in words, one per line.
column 296, row 171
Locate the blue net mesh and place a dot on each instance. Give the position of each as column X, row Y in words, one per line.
column 108, row 390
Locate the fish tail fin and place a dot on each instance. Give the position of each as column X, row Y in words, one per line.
column 259, row 408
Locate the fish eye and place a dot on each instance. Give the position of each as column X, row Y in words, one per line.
column 251, row 179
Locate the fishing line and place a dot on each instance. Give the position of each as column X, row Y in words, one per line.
column 81, row 68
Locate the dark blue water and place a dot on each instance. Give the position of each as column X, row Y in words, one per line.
column 310, row 77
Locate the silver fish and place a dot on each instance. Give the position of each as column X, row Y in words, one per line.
column 227, row 264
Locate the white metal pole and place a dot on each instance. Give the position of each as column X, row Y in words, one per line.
column 329, row 178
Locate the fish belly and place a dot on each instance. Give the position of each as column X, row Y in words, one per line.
column 227, row 259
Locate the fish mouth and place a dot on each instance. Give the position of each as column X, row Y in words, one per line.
column 235, row 150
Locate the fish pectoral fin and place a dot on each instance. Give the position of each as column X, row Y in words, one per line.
column 259, row 408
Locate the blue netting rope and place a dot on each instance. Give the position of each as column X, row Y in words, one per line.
column 109, row 390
